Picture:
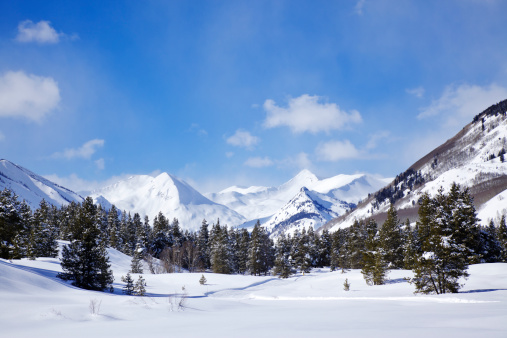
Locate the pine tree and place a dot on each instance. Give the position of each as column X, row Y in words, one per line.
column 346, row 285
column 9, row 222
column 85, row 260
column 375, row 265
column 113, row 228
column 390, row 239
column 140, row 287
column 502, row 239
column 136, row 266
column 202, row 280
column 203, row 245
column 447, row 223
column 128, row 289
column 324, row 249
column 260, row 253
column 220, row 249
column 283, row 260
column 301, row 252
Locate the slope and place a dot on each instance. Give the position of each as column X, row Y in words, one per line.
column 33, row 188
column 168, row 194
column 473, row 158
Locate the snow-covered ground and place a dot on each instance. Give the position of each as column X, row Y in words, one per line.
column 36, row 304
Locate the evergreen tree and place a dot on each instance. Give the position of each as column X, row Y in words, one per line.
column 9, row 222
column 128, row 289
column 242, row 251
column 85, row 260
column 446, row 224
column 283, row 260
column 391, row 240
column 140, row 287
column 136, row 266
column 260, row 253
column 203, row 245
column 113, row 228
column 502, row 239
column 375, row 265
column 220, row 250
column 301, row 252
column 324, row 249
column 202, row 280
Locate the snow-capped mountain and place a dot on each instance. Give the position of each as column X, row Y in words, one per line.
column 261, row 202
column 474, row 158
column 306, row 209
column 168, row 194
column 33, row 188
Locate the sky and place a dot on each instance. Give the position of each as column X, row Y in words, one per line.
column 223, row 93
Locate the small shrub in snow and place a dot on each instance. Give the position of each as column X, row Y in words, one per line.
column 202, row 280
column 346, row 285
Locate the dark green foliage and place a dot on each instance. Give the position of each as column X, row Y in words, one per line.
column 85, row 260
column 140, row 287
column 283, row 261
column 10, row 221
column 136, row 266
column 301, row 251
column 502, row 239
column 260, row 251
column 447, row 225
column 375, row 266
column 391, row 240
column 220, row 250
column 128, row 289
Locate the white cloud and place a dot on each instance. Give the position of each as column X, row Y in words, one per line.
column 100, row 163
column 307, row 114
column 27, row 96
column 229, row 154
column 259, row 162
column 359, row 7
column 459, row 104
column 375, row 138
column 300, row 161
column 40, row 32
column 337, row 150
column 242, row 138
column 417, row 92
column 85, row 151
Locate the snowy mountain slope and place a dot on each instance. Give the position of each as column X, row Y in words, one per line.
column 166, row 193
column 261, row 202
column 472, row 158
column 306, row 209
column 33, row 188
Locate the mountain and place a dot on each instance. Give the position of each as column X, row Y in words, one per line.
column 261, row 202
column 473, row 158
column 168, row 194
column 33, row 188
column 306, row 209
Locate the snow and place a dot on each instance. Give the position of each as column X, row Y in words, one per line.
column 264, row 202
column 168, row 194
column 33, row 188
column 493, row 209
column 37, row 304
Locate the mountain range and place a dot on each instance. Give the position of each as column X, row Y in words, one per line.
column 473, row 158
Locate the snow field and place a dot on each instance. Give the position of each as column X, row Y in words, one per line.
column 37, row 304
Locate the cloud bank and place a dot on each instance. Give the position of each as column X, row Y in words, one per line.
column 307, row 114
column 27, row 95
column 85, row 152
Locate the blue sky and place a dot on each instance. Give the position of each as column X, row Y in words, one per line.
column 241, row 92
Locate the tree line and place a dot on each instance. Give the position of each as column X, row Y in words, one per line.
column 438, row 248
